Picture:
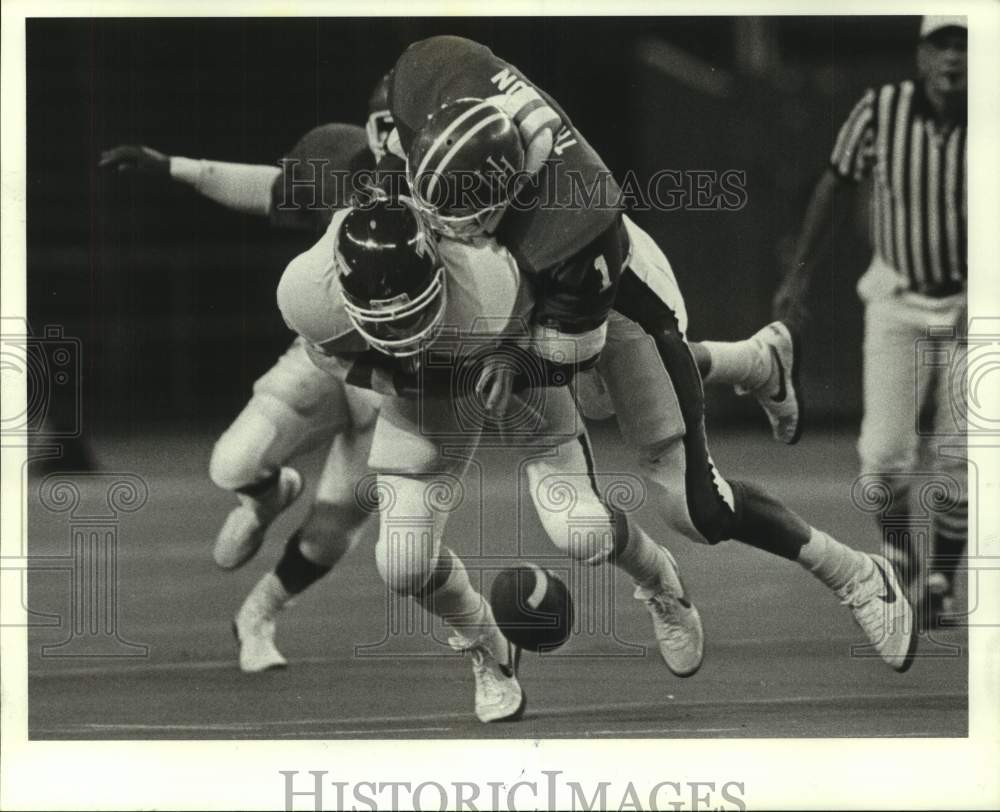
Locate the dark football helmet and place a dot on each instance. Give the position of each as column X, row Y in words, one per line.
column 392, row 280
column 463, row 167
column 380, row 122
column 317, row 176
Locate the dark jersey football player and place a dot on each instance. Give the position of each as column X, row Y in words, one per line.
column 490, row 156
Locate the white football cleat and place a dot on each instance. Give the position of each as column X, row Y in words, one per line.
column 882, row 611
column 780, row 396
column 243, row 533
column 676, row 622
column 499, row 696
column 254, row 627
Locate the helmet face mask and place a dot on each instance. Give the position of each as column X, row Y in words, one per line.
column 401, row 327
column 463, row 168
column 462, row 227
column 380, row 122
column 378, row 127
column 392, row 281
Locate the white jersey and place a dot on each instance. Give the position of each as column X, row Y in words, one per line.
column 486, row 299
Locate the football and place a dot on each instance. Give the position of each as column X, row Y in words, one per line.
column 532, row 607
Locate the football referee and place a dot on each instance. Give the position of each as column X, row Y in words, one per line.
column 908, row 139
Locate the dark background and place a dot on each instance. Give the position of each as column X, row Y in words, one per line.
column 172, row 297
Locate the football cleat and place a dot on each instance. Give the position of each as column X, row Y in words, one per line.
column 254, row 628
column 881, row 609
column 676, row 622
column 243, row 532
column 499, row 697
column 780, row 396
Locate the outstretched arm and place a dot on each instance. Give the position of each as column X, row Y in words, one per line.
column 242, row 187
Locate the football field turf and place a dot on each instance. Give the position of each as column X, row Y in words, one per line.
column 779, row 659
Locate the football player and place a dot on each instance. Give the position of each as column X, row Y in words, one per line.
column 295, row 406
column 491, row 157
column 377, row 299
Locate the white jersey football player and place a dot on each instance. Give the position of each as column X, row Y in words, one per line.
column 380, row 303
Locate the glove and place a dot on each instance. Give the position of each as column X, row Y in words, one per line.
column 136, row 158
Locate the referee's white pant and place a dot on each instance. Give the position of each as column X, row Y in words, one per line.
column 913, row 430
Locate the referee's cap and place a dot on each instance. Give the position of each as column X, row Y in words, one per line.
column 932, row 23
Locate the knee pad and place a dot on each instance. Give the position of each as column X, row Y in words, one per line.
column 239, row 457
column 330, row 531
column 568, row 504
column 412, row 514
column 406, row 557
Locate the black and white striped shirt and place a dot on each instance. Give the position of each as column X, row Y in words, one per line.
column 919, row 169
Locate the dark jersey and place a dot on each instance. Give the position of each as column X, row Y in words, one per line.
column 573, row 199
column 564, row 229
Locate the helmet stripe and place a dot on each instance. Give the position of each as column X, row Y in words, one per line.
column 461, row 142
column 448, row 131
column 498, row 116
column 439, row 142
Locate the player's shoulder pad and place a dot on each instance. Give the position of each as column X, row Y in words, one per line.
column 309, row 295
column 319, row 174
column 486, row 291
column 435, row 61
column 335, row 143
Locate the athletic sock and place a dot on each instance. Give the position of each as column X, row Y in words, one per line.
column 267, row 597
column 738, row 363
column 638, row 556
column 835, row 564
column 450, row 596
column 295, row 572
